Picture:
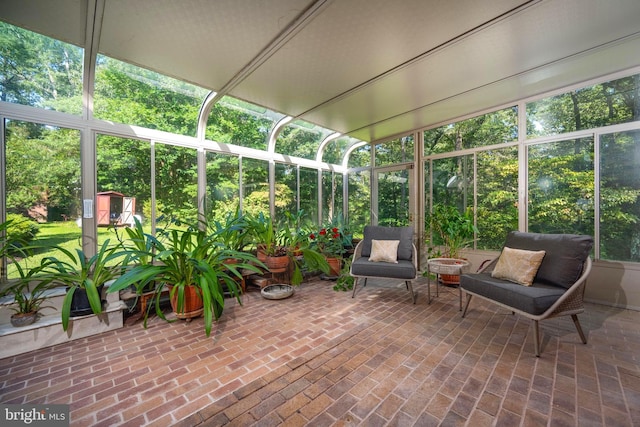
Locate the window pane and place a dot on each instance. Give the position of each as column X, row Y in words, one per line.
column 255, row 186
column 332, row 196
column 176, row 183
column 223, row 185
column 301, row 139
column 620, row 196
column 360, row 157
column 40, row 71
column 393, row 198
column 399, row 150
column 124, row 178
column 334, row 150
column 309, row 193
column 359, row 201
column 233, row 121
column 590, row 107
column 43, row 184
column 561, row 187
column 136, row 96
column 497, row 212
column 453, row 181
column 286, row 189
column 488, row 129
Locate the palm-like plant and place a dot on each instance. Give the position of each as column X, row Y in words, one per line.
column 81, row 273
column 182, row 258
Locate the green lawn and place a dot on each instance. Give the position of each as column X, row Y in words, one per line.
column 65, row 234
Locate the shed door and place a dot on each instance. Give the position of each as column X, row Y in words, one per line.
column 128, row 209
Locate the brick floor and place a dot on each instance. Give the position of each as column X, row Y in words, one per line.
column 322, row 358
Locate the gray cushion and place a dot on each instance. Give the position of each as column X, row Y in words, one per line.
column 534, row 299
column 376, row 232
column 564, row 258
column 404, row 269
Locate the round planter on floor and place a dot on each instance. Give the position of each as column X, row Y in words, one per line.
column 277, row 291
column 24, row 319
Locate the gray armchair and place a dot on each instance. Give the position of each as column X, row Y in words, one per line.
column 405, row 267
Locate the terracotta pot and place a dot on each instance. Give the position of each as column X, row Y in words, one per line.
column 192, row 304
column 261, row 254
column 335, row 265
column 277, row 264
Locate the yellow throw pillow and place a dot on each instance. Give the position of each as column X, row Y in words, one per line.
column 518, row 265
column 384, row 251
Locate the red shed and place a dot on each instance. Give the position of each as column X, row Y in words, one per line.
column 115, row 208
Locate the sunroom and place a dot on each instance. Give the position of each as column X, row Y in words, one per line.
column 525, row 112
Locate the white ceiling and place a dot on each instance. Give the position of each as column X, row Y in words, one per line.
column 368, row 68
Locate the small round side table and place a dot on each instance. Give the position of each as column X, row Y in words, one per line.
column 445, row 266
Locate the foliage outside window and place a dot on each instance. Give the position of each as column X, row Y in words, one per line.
column 359, row 201
column 488, row 129
column 360, row 157
column 393, row 197
column 497, row 208
column 620, row 196
column 128, row 94
column 561, row 190
column 287, row 184
column 124, row 166
column 309, row 193
column 39, row 71
column 232, row 121
column 255, row 187
column 43, row 182
column 399, row 150
column 223, row 185
column 603, row 104
column 176, row 183
column 301, row 139
column 331, row 196
column 334, row 150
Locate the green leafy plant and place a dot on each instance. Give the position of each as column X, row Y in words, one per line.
column 186, row 257
column 82, row 273
column 28, row 290
column 455, row 229
column 345, row 279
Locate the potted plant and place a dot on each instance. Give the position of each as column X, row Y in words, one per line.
column 28, row 293
column 454, row 230
column 330, row 243
column 192, row 265
column 84, row 276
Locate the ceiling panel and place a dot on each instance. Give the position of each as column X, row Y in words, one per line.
column 538, row 37
column 351, row 42
column 204, row 42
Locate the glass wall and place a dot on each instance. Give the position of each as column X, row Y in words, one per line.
column 176, row 179
column 233, row 121
column 132, row 95
column 497, row 200
column 560, row 191
column 39, row 71
column 359, row 201
column 301, row 139
column 620, row 196
column 255, row 187
column 286, row 189
column 399, row 150
column 43, row 188
column 123, row 182
column 590, row 107
column 223, row 185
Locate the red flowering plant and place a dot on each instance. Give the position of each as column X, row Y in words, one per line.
column 329, row 242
